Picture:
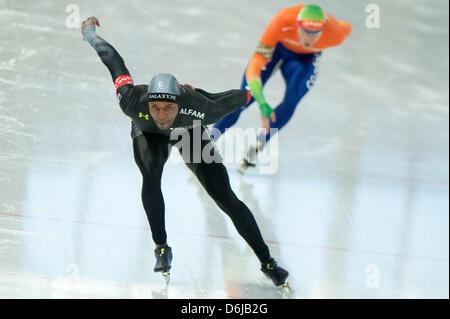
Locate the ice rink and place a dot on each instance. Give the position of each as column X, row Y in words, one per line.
column 359, row 205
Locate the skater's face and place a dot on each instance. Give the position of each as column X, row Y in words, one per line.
column 308, row 39
column 163, row 113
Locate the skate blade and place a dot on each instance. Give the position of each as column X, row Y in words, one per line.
column 242, row 169
column 166, row 276
column 286, row 291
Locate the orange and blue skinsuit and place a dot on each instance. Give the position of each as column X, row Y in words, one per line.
column 280, row 48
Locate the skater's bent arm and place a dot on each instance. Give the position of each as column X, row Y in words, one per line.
column 126, row 91
column 216, row 96
column 221, row 104
column 109, row 56
column 255, row 67
column 266, row 47
column 262, row 55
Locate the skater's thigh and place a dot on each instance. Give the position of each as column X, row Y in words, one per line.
column 215, row 180
column 197, row 147
column 209, row 170
column 298, row 72
column 150, row 152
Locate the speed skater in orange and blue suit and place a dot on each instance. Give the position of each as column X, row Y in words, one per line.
column 293, row 42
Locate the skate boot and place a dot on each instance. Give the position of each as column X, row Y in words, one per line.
column 275, row 273
column 250, row 155
column 163, row 256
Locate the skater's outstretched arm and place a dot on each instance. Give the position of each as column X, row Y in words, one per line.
column 109, row 56
column 127, row 93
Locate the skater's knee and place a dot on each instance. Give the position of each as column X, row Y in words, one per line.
column 223, row 196
column 230, row 204
column 283, row 114
column 295, row 94
column 215, row 180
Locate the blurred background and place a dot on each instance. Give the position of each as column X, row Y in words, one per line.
column 357, row 209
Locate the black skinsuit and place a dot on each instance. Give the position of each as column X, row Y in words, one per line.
column 151, row 145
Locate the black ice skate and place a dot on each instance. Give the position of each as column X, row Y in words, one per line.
column 163, row 256
column 275, row 273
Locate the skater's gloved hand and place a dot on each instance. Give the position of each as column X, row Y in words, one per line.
column 91, row 21
column 266, row 122
column 266, row 110
column 255, row 87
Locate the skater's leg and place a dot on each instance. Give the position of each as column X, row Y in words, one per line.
column 227, row 122
column 151, row 153
column 215, row 180
column 213, row 176
column 299, row 75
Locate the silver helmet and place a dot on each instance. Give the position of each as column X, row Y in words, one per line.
column 163, row 87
